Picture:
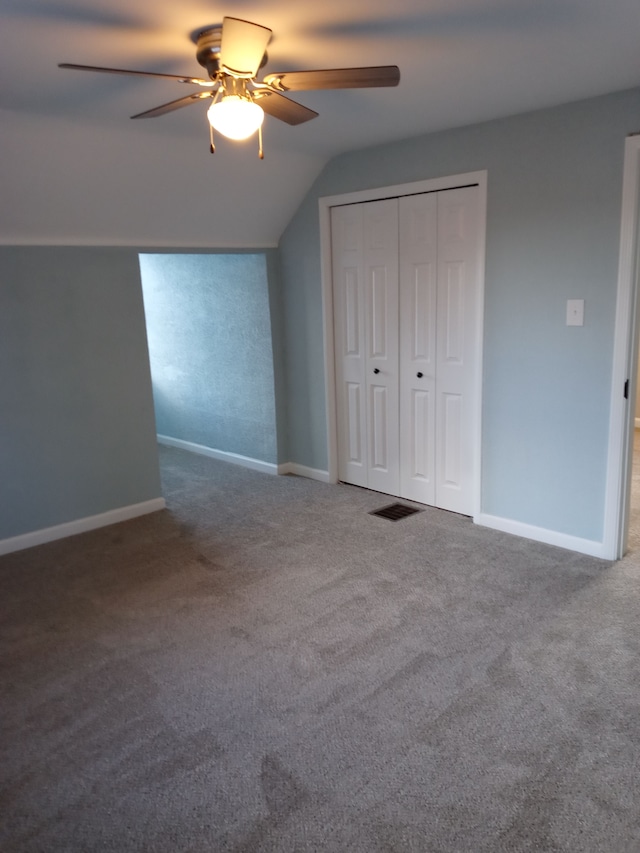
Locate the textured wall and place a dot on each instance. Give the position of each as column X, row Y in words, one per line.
column 76, row 412
column 210, row 346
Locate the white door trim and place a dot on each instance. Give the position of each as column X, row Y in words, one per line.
column 325, row 204
column 625, row 356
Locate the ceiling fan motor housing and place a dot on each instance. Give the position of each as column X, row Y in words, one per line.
column 208, row 45
column 208, row 50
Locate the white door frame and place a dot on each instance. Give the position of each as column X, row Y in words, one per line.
column 325, row 204
column 625, row 361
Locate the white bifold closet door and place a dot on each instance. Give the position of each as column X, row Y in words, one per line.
column 366, row 308
column 406, row 331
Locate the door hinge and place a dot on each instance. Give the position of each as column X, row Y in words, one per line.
column 626, row 389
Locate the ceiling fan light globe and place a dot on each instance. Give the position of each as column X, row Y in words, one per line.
column 235, row 117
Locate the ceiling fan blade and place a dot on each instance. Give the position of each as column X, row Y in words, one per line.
column 335, row 78
column 285, row 109
column 242, row 46
column 173, row 105
column 194, row 81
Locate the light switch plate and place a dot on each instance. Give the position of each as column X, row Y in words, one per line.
column 575, row 312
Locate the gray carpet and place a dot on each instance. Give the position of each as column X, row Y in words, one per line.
column 267, row 667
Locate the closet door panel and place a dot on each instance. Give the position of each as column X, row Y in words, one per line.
column 418, row 293
column 381, row 297
column 456, row 350
column 350, row 343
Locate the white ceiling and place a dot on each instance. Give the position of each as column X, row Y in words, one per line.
column 461, row 61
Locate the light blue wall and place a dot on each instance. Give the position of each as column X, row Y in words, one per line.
column 553, row 220
column 211, row 350
column 76, row 413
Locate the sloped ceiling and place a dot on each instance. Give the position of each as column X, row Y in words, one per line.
column 75, row 169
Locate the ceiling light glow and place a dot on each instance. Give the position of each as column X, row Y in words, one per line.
column 235, row 117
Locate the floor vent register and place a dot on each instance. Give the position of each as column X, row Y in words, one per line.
column 395, row 512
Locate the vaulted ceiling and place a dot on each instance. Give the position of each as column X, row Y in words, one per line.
column 461, row 61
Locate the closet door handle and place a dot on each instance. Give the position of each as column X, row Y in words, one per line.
column 419, row 375
column 376, row 370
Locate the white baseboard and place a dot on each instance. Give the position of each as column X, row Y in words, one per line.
column 304, row 471
column 80, row 525
column 223, row 455
column 246, row 461
column 540, row 534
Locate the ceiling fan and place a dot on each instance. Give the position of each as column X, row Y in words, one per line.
column 232, row 54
